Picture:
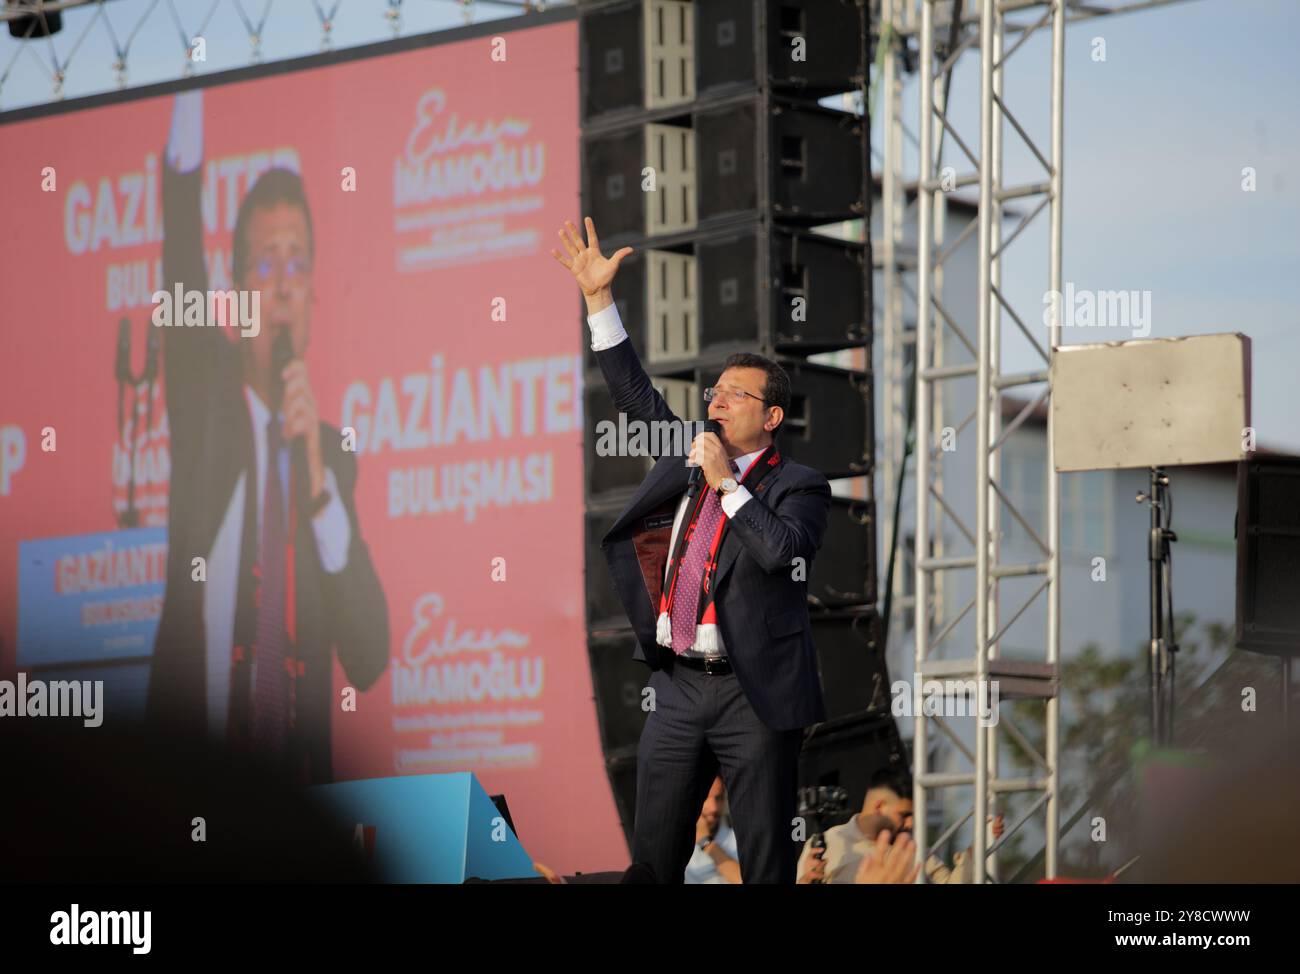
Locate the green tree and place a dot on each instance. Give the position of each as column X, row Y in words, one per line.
column 1105, row 721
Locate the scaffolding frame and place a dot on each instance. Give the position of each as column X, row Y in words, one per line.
column 1016, row 679
column 983, row 26
column 57, row 70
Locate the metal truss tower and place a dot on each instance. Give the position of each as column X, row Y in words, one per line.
column 944, row 352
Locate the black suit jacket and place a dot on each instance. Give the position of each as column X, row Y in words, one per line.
column 762, row 609
column 211, row 447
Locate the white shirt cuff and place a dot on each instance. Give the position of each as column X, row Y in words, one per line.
column 734, row 501
column 332, row 529
column 185, row 141
column 606, row 328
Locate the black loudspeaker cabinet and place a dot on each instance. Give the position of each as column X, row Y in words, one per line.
column 855, row 681
column 759, row 289
column 614, row 474
column 611, row 183
column 611, row 63
column 848, row 754
column 779, row 289
column 604, row 609
column 621, row 770
column 1268, row 555
column 760, row 155
column 829, row 418
column 746, row 44
column 746, row 159
column 619, row 683
column 808, row 48
column 614, row 181
column 844, row 571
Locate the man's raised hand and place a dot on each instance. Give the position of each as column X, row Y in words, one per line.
column 593, row 271
column 889, row 865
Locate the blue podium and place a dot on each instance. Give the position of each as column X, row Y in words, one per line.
column 432, row 828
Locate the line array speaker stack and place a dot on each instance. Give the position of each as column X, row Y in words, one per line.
column 708, row 147
column 1268, row 555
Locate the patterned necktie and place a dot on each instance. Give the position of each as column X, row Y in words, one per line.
column 270, row 681
column 686, row 598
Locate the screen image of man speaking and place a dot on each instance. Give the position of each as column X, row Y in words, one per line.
column 707, row 578
column 261, row 489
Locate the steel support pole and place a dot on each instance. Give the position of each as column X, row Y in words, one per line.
column 924, row 305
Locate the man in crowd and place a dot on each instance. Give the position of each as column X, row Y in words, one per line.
column 714, row 860
column 887, row 806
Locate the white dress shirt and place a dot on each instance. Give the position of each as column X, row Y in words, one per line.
column 333, row 534
column 331, row 527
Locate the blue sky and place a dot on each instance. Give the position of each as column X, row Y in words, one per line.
column 1156, row 138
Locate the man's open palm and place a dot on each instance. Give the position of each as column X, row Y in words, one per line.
column 589, row 268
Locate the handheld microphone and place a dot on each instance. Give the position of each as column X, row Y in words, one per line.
column 697, row 473
column 122, row 362
column 281, row 356
column 122, row 369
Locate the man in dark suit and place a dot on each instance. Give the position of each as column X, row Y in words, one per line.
column 261, row 490
column 715, row 588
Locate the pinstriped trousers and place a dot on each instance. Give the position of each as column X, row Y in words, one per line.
column 702, row 725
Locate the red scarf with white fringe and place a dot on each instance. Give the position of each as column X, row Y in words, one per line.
column 706, row 618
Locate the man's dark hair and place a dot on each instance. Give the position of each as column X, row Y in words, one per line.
column 273, row 187
column 898, row 783
column 776, row 387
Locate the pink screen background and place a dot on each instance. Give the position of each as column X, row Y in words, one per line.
column 400, row 281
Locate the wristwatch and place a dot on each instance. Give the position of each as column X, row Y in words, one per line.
column 704, row 843
column 728, row 486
